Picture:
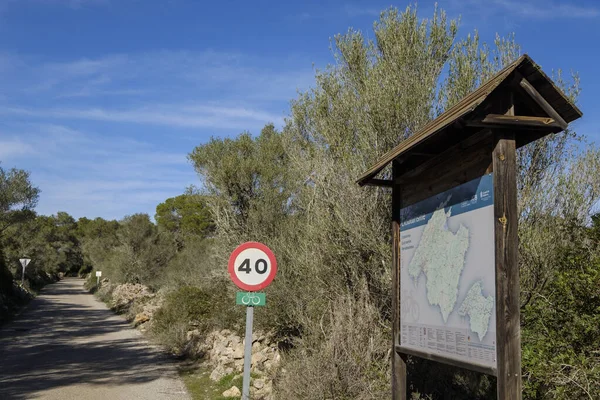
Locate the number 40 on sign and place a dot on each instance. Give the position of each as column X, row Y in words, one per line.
column 252, row 266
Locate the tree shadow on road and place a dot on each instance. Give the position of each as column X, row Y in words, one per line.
column 56, row 344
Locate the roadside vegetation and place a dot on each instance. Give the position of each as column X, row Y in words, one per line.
column 294, row 189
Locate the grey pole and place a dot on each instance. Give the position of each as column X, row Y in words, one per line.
column 23, row 277
column 247, row 353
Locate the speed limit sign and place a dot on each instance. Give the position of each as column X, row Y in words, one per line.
column 252, row 266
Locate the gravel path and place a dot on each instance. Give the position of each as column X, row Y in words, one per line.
column 68, row 345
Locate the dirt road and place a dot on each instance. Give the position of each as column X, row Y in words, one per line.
column 68, row 345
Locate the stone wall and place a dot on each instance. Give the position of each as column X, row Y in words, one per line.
column 224, row 352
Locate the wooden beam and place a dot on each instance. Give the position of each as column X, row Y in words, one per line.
column 380, row 182
column 446, row 360
column 510, row 121
column 541, row 101
column 399, row 381
column 508, row 333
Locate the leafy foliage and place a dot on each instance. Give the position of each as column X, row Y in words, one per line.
column 18, row 197
column 184, row 216
column 561, row 334
column 50, row 242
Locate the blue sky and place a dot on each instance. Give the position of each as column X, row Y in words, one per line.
column 101, row 100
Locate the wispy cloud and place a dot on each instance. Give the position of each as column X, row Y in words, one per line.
column 11, row 147
column 182, row 116
column 549, row 10
column 108, row 176
column 350, row 10
column 353, row 10
column 71, row 4
column 159, row 73
column 535, row 9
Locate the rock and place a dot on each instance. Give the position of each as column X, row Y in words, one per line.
column 225, row 332
column 267, row 391
column 258, row 383
column 153, row 305
column 217, row 373
column 239, row 364
column 232, row 392
column 125, row 294
column 256, row 370
column 276, row 358
column 224, row 360
column 258, row 358
column 269, row 353
column 227, row 352
column 192, row 335
column 217, row 350
column 238, row 353
column 255, row 347
column 140, row 319
column 268, row 366
column 232, row 341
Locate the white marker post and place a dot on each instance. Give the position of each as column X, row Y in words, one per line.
column 24, row 263
column 98, row 275
column 252, row 267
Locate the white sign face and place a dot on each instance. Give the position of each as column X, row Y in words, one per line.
column 24, row 261
column 447, row 274
column 98, row 273
column 252, row 266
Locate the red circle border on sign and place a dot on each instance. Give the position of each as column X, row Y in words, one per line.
column 231, row 266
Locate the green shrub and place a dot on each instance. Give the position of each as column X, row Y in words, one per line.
column 192, row 308
column 84, row 270
column 561, row 336
column 344, row 355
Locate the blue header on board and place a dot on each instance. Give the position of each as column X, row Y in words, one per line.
column 469, row 196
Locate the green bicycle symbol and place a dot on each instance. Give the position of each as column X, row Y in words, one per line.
column 251, row 298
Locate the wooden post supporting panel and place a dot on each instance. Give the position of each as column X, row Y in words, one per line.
column 399, row 387
column 508, row 337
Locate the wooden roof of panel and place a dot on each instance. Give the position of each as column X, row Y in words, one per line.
column 524, row 65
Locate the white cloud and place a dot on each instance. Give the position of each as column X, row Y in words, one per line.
column 94, row 174
column 353, row 10
column 14, row 147
column 160, row 73
column 182, row 116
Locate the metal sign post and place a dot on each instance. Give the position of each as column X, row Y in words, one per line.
column 24, row 263
column 98, row 275
column 252, row 266
column 247, row 353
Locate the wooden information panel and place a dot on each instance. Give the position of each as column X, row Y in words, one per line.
column 455, row 271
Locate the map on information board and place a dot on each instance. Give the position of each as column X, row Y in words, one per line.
column 447, row 292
